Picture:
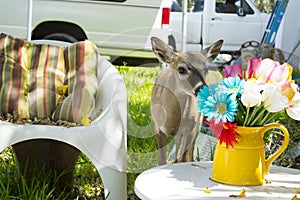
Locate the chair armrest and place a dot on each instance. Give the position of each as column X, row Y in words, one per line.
column 111, row 92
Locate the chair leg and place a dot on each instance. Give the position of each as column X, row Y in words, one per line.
column 65, row 158
column 32, row 157
column 115, row 183
column 47, row 156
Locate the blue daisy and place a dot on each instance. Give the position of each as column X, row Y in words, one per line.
column 221, row 107
column 204, row 93
column 214, row 88
column 202, row 97
column 233, row 85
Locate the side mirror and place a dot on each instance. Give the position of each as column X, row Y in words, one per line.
column 241, row 12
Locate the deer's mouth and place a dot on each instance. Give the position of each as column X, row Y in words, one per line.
column 198, row 88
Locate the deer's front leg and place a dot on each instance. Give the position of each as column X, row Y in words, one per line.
column 188, row 143
column 161, row 140
column 178, row 141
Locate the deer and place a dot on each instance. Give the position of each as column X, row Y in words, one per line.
column 173, row 103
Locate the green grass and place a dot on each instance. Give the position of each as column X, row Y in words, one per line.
column 141, row 140
column 141, row 143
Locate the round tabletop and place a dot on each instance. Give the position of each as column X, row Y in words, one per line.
column 189, row 180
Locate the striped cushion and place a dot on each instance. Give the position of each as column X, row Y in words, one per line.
column 81, row 65
column 30, row 76
column 46, row 75
column 33, row 74
column 13, row 94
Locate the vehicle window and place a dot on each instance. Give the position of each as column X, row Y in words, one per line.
column 193, row 6
column 198, row 5
column 247, row 9
column 226, row 6
column 176, row 7
column 232, row 6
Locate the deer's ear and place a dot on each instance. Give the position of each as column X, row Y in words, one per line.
column 213, row 51
column 162, row 51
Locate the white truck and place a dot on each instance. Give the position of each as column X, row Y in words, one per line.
column 235, row 21
column 120, row 28
column 288, row 34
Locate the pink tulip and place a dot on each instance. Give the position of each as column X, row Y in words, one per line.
column 269, row 71
column 253, row 66
column 284, row 84
column 232, row 71
column 280, row 73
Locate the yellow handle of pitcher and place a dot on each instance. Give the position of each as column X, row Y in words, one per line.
column 284, row 145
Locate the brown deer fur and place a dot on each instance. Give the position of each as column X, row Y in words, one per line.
column 173, row 101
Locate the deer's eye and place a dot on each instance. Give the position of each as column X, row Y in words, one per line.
column 182, row 70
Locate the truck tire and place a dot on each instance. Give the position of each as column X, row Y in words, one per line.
column 61, row 37
column 57, row 30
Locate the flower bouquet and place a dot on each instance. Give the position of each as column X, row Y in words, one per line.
column 240, row 106
column 251, row 97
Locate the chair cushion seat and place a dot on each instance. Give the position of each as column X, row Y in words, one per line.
column 46, row 81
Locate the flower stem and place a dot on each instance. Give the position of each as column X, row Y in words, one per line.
column 255, row 109
column 270, row 119
column 257, row 118
column 264, row 120
column 247, row 115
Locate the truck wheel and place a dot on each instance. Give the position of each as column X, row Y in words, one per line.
column 56, row 30
column 61, row 37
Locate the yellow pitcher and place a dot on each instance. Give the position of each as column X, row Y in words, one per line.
column 245, row 164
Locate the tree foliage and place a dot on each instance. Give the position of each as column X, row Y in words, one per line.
column 265, row 5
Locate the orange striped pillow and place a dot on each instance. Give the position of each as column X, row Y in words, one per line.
column 30, row 76
column 13, row 94
column 81, row 66
column 33, row 74
column 46, row 76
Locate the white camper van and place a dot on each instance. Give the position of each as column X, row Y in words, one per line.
column 118, row 27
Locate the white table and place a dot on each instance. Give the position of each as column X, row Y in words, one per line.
column 188, row 180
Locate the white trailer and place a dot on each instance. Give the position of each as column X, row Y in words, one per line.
column 289, row 31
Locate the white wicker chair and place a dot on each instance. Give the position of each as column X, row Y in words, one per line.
column 103, row 142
